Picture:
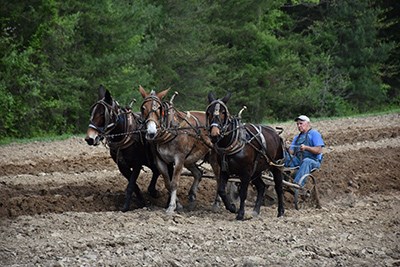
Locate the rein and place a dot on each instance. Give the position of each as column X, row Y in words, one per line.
column 161, row 105
column 217, row 108
column 234, row 127
column 128, row 139
column 113, row 116
column 109, row 113
column 171, row 122
column 237, row 140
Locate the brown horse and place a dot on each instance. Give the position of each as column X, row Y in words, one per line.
column 245, row 150
column 128, row 147
column 179, row 138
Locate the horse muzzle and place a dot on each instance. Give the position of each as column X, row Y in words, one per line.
column 215, row 134
column 215, row 139
column 92, row 138
column 151, row 132
column 150, row 136
column 92, row 141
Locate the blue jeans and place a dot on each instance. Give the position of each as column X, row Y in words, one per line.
column 305, row 167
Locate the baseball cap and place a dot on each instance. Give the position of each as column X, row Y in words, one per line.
column 302, row 118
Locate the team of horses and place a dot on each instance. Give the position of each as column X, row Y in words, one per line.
column 168, row 140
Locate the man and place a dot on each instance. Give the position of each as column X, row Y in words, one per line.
column 305, row 150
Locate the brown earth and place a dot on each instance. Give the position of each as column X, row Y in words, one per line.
column 59, row 205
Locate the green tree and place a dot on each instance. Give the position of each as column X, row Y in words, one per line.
column 245, row 33
column 349, row 34
column 56, row 53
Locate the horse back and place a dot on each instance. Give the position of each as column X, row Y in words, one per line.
column 194, row 118
column 273, row 142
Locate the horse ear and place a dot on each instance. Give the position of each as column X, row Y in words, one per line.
column 102, row 92
column 227, row 97
column 107, row 97
column 142, row 91
column 211, row 97
column 160, row 95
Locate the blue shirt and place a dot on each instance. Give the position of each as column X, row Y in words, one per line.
column 311, row 138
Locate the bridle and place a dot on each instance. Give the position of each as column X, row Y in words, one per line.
column 162, row 107
column 216, row 121
column 111, row 116
column 156, row 105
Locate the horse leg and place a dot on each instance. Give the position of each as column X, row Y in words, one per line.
column 169, row 174
column 260, row 186
column 123, row 168
column 244, row 185
column 152, row 186
column 197, row 174
column 278, row 189
column 166, row 174
column 174, row 186
column 216, row 169
column 222, row 180
column 156, row 173
column 127, row 173
column 133, row 187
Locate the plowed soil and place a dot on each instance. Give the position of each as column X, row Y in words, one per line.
column 60, row 201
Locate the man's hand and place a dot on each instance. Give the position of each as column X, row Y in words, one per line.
column 312, row 149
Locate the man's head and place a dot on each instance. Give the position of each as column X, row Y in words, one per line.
column 303, row 123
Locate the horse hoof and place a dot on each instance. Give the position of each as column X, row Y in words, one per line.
column 141, row 204
column 215, row 207
column 170, row 211
column 192, row 198
column 280, row 214
column 154, row 193
column 179, row 206
column 124, row 209
column 240, row 217
column 232, row 208
column 255, row 214
column 191, row 206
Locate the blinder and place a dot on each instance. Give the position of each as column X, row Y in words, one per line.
column 111, row 116
column 216, row 118
column 156, row 105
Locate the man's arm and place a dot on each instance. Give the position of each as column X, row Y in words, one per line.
column 312, row 149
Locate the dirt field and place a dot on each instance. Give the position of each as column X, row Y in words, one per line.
column 59, row 205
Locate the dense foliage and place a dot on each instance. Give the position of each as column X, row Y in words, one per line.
column 280, row 58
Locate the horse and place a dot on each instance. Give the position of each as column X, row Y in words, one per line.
column 180, row 139
column 244, row 150
column 128, row 148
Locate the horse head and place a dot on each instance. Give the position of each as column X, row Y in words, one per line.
column 217, row 114
column 152, row 111
column 103, row 117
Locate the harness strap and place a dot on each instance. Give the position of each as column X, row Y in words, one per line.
column 263, row 150
column 127, row 139
column 107, row 116
column 237, row 142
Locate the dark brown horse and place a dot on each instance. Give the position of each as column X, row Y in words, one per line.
column 128, row 147
column 180, row 139
column 244, row 150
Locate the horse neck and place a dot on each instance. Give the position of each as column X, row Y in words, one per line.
column 125, row 131
column 232, row 141
column 168, row 117
column 200, row 117
column 173, row 118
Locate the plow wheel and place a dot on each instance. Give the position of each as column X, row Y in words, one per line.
column 307, row 196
